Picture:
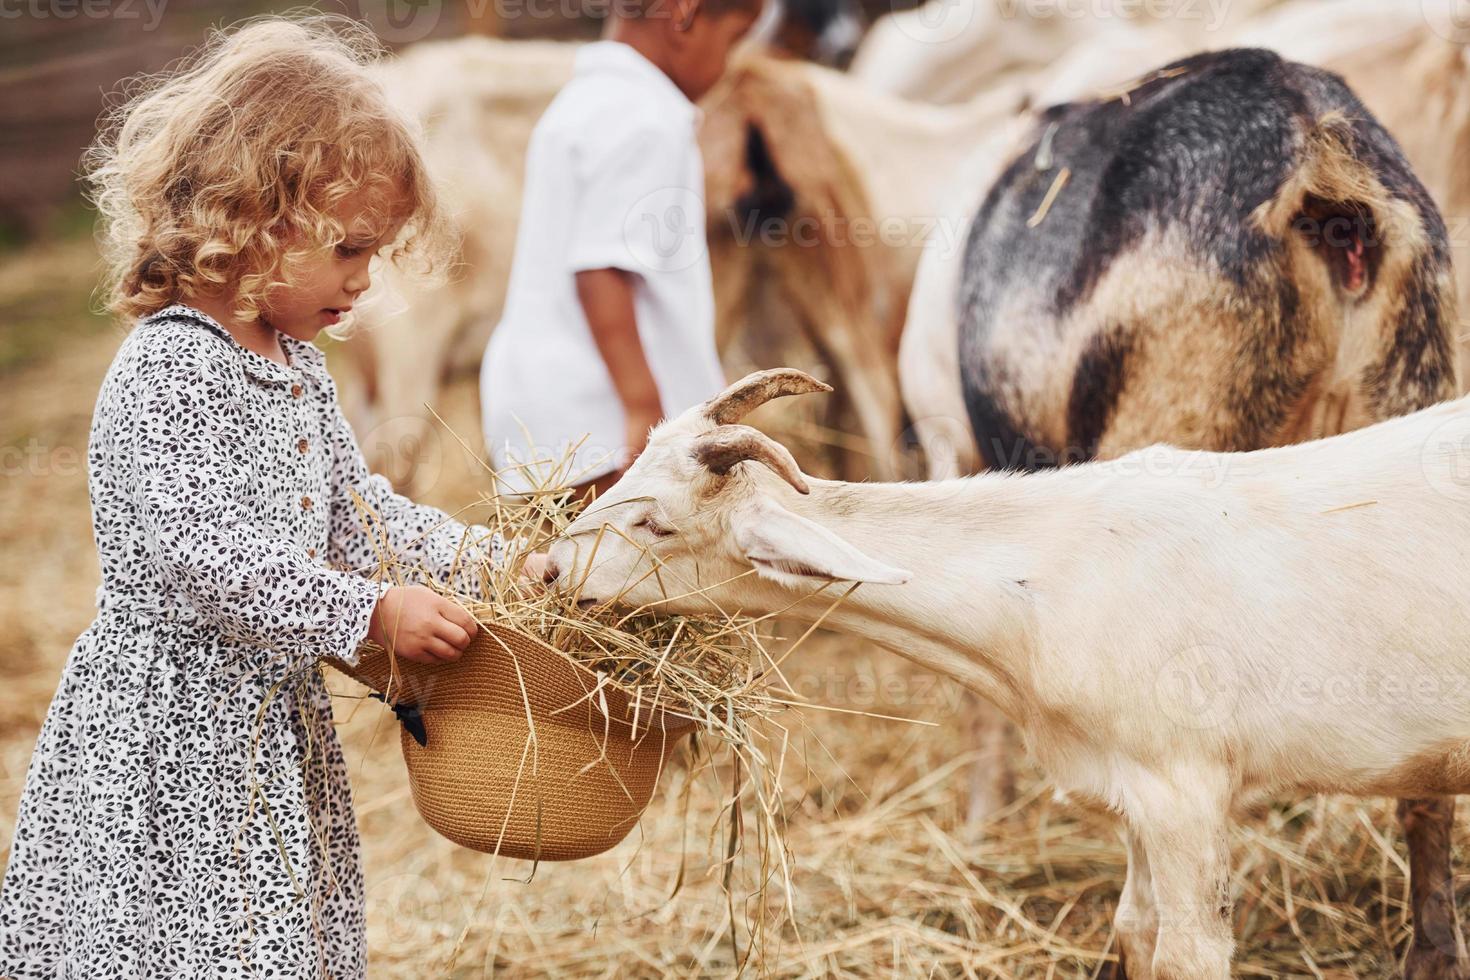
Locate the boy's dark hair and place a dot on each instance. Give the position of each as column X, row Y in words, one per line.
column 716, row 7
column 640, row 9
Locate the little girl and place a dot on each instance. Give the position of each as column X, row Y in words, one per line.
column 187, row 811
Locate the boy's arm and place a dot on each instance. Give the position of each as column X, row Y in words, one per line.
column 606, row 296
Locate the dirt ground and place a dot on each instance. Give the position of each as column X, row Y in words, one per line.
column 887, row 881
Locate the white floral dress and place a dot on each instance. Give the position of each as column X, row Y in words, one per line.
column 187, row 811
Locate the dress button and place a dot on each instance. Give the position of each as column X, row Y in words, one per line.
column 311, row 552
column 306, row 503
column 295, row 391
column 301, row 445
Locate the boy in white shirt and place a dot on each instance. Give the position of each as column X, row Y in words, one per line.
column 609, row 318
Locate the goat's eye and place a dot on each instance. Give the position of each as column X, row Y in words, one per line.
column 654, row 527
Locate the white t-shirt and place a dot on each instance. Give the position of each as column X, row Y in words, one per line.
column 614, row 179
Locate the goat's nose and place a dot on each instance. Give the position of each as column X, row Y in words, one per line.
column 551, row 572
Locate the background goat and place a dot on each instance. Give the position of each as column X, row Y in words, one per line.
column 817, row 194
column 1232, row 255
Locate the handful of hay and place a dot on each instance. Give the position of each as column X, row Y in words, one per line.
column 714, row 671
column 626, row 688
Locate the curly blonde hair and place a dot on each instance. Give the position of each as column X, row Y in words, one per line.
column 221, row 176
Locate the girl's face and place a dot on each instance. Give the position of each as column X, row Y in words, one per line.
column 330, row 283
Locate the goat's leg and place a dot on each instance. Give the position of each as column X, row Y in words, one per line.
column 357, row 387
column 1437, row 951
column 412, row 356
column 992, row 780
column 845, row 333
column 733, row 267
column 948, row 445
column 1136, row 922
column 1184, row 835
column 929, row 369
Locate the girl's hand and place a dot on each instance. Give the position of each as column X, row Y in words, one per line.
column 418, row 624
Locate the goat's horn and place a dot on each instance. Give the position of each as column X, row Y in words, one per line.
column 754, row 390
column 730, row 444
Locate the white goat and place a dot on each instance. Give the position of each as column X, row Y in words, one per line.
column 1176, row 633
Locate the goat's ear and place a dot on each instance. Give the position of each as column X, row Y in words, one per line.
column 792, row 550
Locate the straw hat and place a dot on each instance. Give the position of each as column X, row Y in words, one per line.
column 526, row 753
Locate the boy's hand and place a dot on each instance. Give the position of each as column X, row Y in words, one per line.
column 606, row 296
column 640, row 420
column 418, row 624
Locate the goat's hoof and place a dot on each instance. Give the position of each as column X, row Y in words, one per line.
column 1431, row 964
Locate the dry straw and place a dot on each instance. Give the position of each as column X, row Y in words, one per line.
column 889, row 882
column 662, row 675
column 842, row 852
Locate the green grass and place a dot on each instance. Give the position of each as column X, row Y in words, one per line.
column 35, row 325
column 45, row 301
column 12, row 237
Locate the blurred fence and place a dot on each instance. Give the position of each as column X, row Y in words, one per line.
column 59, row 59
